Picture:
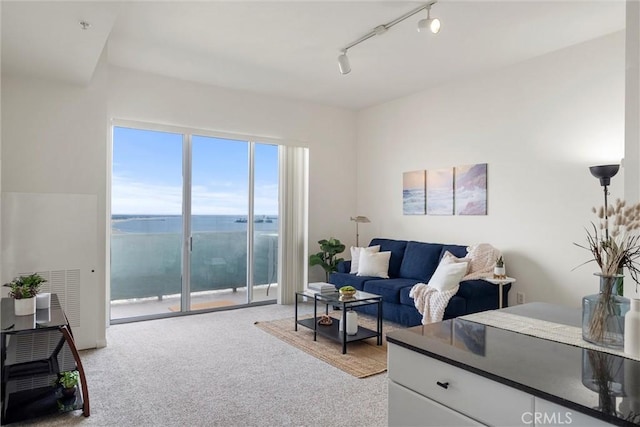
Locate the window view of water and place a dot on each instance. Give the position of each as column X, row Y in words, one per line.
column 150, row 273
column 146, row 253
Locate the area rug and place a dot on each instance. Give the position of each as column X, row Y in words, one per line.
column 363, row 358
column 205, row 305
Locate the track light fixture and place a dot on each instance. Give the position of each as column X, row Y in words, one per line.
column 343, row 63
column 432, row 24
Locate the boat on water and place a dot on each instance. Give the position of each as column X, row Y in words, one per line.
column 264, row 219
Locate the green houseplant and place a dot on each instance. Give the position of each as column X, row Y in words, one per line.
column 68, row 380
column 327, row 258
column 23, row 290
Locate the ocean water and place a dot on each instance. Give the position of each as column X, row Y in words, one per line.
column 146, row 254
column 199, row 223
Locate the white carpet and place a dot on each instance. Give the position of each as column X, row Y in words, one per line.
column 218, row 369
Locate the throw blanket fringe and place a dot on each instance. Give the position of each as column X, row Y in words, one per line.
column 431, row 302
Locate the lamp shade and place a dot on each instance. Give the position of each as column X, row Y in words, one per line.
column 360, row 219
column 604, row 173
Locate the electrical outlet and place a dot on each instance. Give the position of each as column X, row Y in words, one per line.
column 520, row 297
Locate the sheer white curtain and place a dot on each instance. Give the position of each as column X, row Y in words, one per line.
column 294, row 202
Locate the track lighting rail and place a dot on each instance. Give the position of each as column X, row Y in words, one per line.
column 343, row 60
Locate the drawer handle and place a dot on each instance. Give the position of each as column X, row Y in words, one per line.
column 443, row 385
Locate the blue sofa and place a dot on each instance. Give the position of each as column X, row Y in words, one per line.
column 415, row 262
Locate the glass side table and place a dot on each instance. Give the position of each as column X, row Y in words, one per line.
column 332, row 331
column 43, row 400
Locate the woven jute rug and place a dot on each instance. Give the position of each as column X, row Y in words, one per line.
column 363, row 358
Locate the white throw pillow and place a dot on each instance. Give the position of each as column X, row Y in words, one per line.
column 374, row 264
column 355, row 256
column 449, row 258
column 447, row 276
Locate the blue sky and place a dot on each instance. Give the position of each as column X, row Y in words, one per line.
column 147, row 175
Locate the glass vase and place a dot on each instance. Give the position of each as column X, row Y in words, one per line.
column 603, row 314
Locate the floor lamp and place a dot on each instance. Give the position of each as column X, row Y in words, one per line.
column 604, row 173
column 358, row 220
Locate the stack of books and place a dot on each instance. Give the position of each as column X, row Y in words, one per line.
column 321, row 287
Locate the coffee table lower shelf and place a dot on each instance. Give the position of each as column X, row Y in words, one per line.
column 333, row 331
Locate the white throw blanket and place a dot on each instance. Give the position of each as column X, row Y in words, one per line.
column 431, row 302
column 483, row 259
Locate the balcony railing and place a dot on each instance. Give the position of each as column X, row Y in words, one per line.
column 149, row 264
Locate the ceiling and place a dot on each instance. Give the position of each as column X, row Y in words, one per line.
column 290, row 48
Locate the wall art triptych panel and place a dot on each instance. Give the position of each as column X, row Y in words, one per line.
column 413, row 193
column 471, row 189
column 460, row 190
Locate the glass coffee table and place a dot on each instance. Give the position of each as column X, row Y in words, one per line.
column 332, row 331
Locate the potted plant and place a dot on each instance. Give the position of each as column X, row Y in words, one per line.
column 23, row 290
column 68, row 381
column 498, row 270
column 326, row 258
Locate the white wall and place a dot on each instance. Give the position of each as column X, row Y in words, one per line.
column 328, row 132
column 54, row 143
column 538, row 125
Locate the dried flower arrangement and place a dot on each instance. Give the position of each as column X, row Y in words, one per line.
column 619, row 246
column 614, row 243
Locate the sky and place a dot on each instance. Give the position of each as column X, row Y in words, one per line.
column 147, row 175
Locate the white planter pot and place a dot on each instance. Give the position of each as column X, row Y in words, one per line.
column 499, row 271
column 25, row 306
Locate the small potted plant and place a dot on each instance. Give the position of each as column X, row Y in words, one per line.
column 68, row 381
column 23, row 290
column 499, row 271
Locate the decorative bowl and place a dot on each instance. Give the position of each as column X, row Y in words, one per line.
column 347, row 293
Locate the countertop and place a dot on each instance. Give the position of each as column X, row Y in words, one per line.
column 557, row 372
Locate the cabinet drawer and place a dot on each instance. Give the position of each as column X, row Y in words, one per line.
column 551, row 414
column 408, row 408
column 477, row 397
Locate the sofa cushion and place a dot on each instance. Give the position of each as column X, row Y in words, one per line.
column 449, row 258
column 389, row 289
column 374, row 264
column 457, row 250
column 355, row 256
column 447, row 276
column 344, row 267
column 457, row 307
column 346, row 279
column 396, row 247
column 420, row 260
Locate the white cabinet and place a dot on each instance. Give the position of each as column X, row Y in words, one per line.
column 424, row 391
column 407, row 408
column 461, row 391
column 552, row 414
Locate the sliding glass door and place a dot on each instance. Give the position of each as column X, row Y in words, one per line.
column 190, row 200
column 146, row 222
column 219, row 206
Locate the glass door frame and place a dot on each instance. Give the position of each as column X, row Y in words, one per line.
column 187, row 236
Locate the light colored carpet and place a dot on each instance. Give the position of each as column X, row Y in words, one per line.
column 218, row 369
column 204, row 305
column 363, row 358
